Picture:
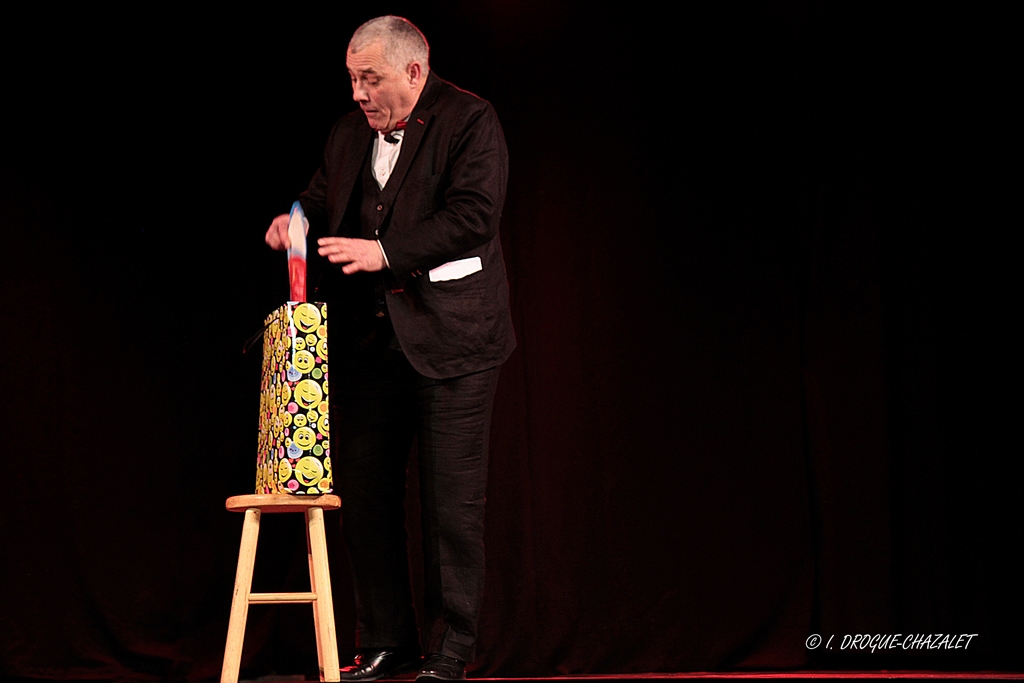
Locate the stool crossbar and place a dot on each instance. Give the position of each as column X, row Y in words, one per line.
column 319, row 594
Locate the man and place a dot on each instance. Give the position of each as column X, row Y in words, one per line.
column 405, row 214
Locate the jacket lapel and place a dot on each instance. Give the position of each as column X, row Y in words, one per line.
column 419, row 122
column 414, row 130
column 353, row 167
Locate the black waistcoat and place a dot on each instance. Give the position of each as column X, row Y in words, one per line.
column 357, row 303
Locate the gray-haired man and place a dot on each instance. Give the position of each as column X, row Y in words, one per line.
column 405, row 211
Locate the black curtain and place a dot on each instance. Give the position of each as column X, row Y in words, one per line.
column 763, row 382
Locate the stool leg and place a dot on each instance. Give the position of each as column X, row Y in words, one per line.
column 240, row 599
column 323, row 607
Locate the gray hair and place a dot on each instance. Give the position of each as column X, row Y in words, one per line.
column 403, row 43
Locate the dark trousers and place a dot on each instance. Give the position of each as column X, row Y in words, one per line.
column 379, row 404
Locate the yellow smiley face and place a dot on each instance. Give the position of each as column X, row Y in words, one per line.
column 300, row 343
column 286, row 419
column 304, row 438
column 284, row 471
column 321, row 348
column 325, row 426
column 286, row 394
column 311, row 339
column 308, row 393
column 304, row 361
column 309, row 471
column 307, row 317
column 299, row 419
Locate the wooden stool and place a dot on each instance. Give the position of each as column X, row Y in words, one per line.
column 319, row 578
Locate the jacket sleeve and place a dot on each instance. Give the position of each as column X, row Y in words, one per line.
column 314, row 198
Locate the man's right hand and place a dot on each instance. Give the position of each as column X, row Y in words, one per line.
column 277, row 233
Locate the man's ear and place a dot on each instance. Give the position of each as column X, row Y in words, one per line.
column 415, row 73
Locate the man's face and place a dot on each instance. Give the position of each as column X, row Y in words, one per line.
column 385, row 95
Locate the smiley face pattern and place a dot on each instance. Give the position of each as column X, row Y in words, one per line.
column 294, row 446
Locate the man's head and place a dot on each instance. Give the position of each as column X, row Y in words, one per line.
column 388, row 62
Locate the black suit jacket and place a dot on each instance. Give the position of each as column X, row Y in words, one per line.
column 441, row 203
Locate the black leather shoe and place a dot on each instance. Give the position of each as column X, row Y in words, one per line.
column 442, row 668
column 372, row 666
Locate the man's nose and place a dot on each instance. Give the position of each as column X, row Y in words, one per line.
column 359, row 94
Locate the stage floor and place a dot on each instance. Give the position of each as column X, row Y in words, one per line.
column 746, row 675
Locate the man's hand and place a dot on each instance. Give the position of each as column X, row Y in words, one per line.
column 277, row 234
column 360, row 255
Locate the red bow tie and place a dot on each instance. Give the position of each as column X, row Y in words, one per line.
column 389, row 137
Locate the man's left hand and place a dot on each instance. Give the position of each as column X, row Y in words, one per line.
column 360, row 255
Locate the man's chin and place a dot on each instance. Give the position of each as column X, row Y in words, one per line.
column 376, row 122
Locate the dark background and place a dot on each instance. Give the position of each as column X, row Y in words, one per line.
column 764, row 383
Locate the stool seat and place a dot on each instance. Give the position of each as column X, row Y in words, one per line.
column 319, row 594
column 271, row 502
